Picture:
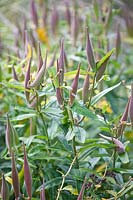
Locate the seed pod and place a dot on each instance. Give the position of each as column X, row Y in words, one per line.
column 61, row 63
column 34, row 13
column 54, row 20
column 40, row 75
column 119, row 146
column 15, row 179
column 74, row 87
column 27, row 79
column 27, row 176
column 80, row 196
column 89, row 50
column 8, row 135
column 40, row 60
column 33, row 40
column 42, row 192
column 131, row 106
column 125, row 114
column 101, row 71
column 52, row 60
column 68, row 14
column 59, row 91
column 75, row 27
column 86, row 85
column 14, row 73
column 118, row 41
column 4, row 189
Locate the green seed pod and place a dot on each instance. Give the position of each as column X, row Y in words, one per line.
column 15, row 179
column 118, row 41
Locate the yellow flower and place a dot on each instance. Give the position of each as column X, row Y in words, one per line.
column 42, row 35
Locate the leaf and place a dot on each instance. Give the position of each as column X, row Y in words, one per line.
column 22, row 117
column 124, row 158
column 82, row 110
column 105, row 58
column 112, row 192
column 96, row 98
column 72, row 190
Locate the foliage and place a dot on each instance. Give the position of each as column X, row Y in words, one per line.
column 66, row 97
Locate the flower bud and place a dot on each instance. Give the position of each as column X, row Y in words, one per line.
column 15, row 179
column 89, row 50
column 86, row 85
column 74, row 87
column 4, row 189
column 27, row 175
column 34, row 13
column 131, row 106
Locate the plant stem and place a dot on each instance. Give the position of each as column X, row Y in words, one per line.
column 41, row 115
column 64, row 177
column 75, row 151
column 114, row 157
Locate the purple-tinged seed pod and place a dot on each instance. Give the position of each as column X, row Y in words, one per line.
column 86, row 85
column 75, row 27
column 125, row 114
column 27, row 79
column 8, row 135
column 80, row 196
column 68, row 14
column 27, row 176
column 34, row 13
column 33, row 40
column 40, row 75
column 101, row 71
column 89, row 50
column 14, row 74
column 119, row 146
column 131, row 106
column 40, row 60
column 15, row 179
column 52, row 60
column 118, row 41
column 4, row 189
column 61, row 63
column 42, row 192
column 74, row 87
column 59, row 91
column 54, row 20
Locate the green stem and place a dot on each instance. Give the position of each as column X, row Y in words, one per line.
column 45, row 128
column 75, row 151
column 114, row 158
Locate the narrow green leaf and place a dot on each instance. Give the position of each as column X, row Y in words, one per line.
column 22, row 117
column 96, row 98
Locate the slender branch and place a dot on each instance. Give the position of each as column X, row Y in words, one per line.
column 64, row 177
